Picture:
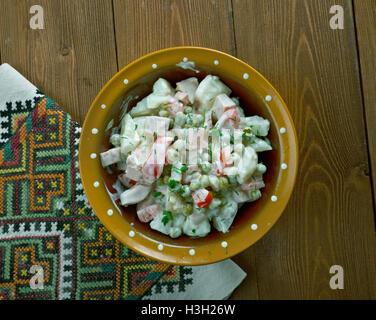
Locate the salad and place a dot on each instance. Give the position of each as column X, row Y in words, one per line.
column 188, row 157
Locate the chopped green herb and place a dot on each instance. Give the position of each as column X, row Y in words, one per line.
column 184, row 168
column 157, row 194
column 167, row 216
column 172, row 184
column 181, row 191
column 193, row 230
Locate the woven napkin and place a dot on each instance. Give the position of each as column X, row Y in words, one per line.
column 46, row 220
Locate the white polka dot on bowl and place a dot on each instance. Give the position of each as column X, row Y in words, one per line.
column 96, row 184
column 268, row 98
column 94, row 131
column 131, row 234
column 284, row 166
column 274, row 198
column 154, row 66
column 254, row 226
column 126, row 81
column 110, row 212
column 93, row 155
column 282, row 130
column 216, row 62
column 245, row 76
column 103, row 106
column 224, row 244
column 160, row 247
column 192, row 252
column 185, row 59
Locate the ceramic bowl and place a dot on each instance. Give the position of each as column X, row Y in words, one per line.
column 257, row 97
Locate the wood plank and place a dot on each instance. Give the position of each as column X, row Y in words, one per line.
column 72, row 58
column 365, row 17
column 146, row 26
column 329, row 220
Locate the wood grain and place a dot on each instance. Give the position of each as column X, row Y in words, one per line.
column 72, row 58
column 365, row 17
column 148, row 25
column 329, row 220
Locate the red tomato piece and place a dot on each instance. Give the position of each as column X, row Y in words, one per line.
column 202, row 198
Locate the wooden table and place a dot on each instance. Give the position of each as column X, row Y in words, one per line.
column 327, row 78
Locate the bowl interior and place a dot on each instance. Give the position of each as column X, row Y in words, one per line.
column 251, row 102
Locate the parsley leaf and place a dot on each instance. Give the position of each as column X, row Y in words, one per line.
column 167, row 216
column 157, row 194
column 172, row 184
column 184, row 168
